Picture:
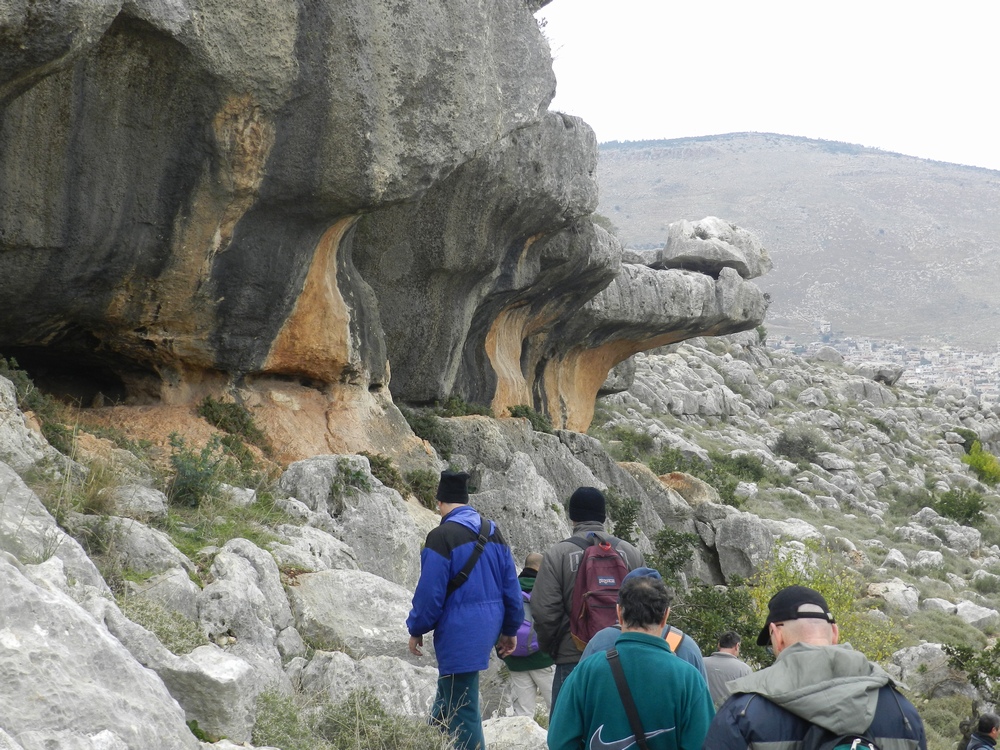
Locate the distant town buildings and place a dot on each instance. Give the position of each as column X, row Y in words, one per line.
column 925, row 367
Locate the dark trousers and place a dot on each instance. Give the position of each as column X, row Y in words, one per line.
column 456, row 710
column 562, row 672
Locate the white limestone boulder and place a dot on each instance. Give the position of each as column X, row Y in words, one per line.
column 514, row 733
column 65, row 675
column 353, row 610
column 138, row 501
column 743, row 542
column 977, row 616
column 373, row 519
column 402, row 688
column 310, row 549
column 898, row 596
column 31, row 534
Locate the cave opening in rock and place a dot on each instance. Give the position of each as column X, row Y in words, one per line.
column 69, row 376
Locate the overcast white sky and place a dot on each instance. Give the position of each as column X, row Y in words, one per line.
column 916, row 77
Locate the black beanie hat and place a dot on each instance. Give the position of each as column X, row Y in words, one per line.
column 453, row 487
column 587, row 504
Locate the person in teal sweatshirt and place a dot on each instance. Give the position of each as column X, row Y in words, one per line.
column 671, row 697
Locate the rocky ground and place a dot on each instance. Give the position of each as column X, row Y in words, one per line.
column 125, row 622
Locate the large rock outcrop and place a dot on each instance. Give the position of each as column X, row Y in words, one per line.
column 289, row 201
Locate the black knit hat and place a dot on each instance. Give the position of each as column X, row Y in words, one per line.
column 587, row 504
column 785, row 605
column 453, row 487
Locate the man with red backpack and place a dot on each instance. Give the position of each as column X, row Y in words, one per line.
column 531, row 669
column 569, row 611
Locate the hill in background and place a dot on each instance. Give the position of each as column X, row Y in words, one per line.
column 877, row 244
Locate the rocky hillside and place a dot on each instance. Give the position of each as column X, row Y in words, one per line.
column 129, row 613
column 876, row 243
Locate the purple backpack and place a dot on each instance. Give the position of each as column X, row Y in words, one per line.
column 527, row 639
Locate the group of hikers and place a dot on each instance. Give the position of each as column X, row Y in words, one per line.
column 596, row 644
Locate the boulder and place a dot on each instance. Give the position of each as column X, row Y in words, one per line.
column 925, row 670
column 363, row 512
column 709, row 245
column 977, row 616
column 898, row 596
column 64, row 676
column 514, row 733
column 20, row 446
column 742, row 542
column 139, row 502
column 31, row 535
column 928, row 558
column 895, row 559
column 216, row 688
column 402, row 688
column 355, row 611
column 934, row 604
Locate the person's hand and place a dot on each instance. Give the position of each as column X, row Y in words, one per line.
column 506, row 644
column 415, row 642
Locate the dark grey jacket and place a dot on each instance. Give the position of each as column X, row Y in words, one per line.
column 552, row 596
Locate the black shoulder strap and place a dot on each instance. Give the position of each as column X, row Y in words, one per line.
column 626, row 695
column 580, row 542
column 463, row 574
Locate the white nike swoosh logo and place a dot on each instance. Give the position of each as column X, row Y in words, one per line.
column 596, row 743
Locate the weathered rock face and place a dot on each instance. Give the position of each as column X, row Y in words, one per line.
column 271, row 197
column 195, row 213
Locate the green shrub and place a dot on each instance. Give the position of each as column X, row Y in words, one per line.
column 624, row 513
column 385, row 472
column 456, row 406
column 423, row 484
column 800, row 443
column 844, row 592
column 705, row 612
column 234, row 419
column 359, row 722
column 633, row 444
column 981, row 667
column 962, row 505
column 197, row 475
column 672, row 550
column 539, row 422
column 427, row 426
column 942, row 718
column 984, row 464
column 177, row 633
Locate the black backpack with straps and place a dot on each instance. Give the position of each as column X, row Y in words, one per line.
column 818, row 738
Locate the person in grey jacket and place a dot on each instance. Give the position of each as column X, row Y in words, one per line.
column 552, row 596
column 985, row 736
column 815, row 681
column 725, row 665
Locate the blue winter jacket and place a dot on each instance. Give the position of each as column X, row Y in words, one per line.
column 468, row 622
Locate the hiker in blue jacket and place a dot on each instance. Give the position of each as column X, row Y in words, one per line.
column 470, row 604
